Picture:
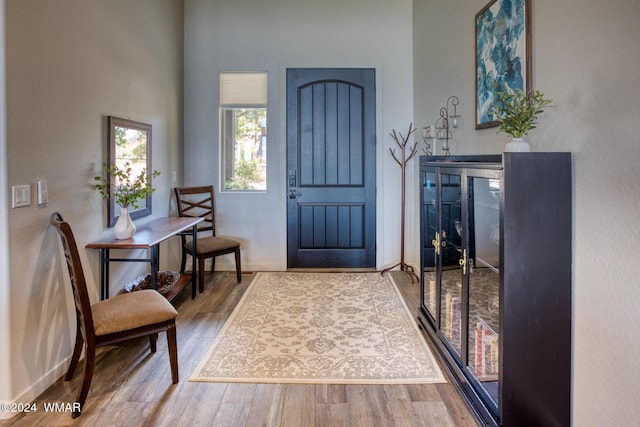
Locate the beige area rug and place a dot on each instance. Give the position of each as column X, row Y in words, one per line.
column 320, row 328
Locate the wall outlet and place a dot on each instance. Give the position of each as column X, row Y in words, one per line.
column 21, row 196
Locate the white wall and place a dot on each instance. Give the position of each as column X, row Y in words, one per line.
column 5, row 327
column 70, row 64
column 274, row 36
column 585, row 58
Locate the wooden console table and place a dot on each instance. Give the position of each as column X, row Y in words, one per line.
column 149, row 237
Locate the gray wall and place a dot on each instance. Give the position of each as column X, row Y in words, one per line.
column 69, row 65
column 585, row 58
column 253, row 35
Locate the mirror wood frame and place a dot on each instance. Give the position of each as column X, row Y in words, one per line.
column 113, row 211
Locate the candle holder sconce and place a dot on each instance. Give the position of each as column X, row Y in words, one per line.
column 441, row 130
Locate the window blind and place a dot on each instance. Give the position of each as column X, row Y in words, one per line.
column 243, row 89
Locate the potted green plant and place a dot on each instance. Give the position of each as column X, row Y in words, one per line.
column 517, row 112
column 127, row 190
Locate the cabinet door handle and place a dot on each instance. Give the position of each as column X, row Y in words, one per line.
column 438, row 242
column 463, row 261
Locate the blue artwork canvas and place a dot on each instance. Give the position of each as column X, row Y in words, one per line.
column 502, row 54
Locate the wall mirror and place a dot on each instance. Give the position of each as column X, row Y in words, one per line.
column 129, row 142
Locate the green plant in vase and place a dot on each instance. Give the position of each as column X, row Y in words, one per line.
column 127, row 190
column 517, row 113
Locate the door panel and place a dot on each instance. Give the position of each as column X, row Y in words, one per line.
column 331, row 167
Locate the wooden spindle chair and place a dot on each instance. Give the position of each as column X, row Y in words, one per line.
column 199, row 202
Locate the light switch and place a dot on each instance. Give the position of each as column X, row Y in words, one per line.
column 21, row 196
column 43, row 193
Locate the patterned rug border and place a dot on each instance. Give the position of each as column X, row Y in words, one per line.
column 436, row 378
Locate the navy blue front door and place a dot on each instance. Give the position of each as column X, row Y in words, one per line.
column 331, row 165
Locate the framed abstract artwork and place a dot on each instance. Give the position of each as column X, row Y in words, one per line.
column 503, row 54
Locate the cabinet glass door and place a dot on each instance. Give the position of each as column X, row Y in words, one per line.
column 451, row 301
column 429, row 228
column 484, row 283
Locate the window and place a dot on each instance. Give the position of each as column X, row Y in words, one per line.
column 243, row 130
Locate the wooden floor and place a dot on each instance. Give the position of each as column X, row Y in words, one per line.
column 131, row 387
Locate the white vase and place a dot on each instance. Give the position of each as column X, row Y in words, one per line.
column 124, row 228
column 517, row 145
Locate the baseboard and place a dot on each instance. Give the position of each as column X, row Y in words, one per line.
column 36, row 389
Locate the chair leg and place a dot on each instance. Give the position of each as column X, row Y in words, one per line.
column 201, row 273
column 238, row 268
column 89, row 365
column 77, row 350
column 153, row 338
column 173, row 352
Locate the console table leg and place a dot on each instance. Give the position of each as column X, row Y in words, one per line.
column 104, row 273
column 155, row 263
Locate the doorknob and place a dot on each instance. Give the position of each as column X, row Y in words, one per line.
column 293, row 194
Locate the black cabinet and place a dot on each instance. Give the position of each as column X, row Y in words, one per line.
column 496, row 281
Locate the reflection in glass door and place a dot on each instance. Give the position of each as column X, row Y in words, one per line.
column 484, row 282
column 451, row 251
column 429, row 229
